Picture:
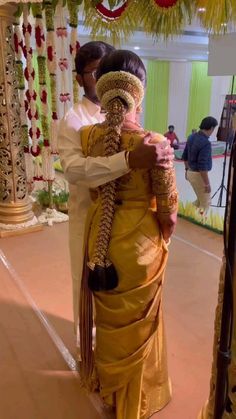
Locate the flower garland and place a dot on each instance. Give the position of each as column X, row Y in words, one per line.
column 165, row 17
column 52, row 68
column 73, row 9
column 48, row 172
column 30, row 147
column 62, row 34
column 115, row 24
column 215, row 16
column 19, row 47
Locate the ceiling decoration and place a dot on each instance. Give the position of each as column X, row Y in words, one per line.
column 118, row 19
column 166, row 17
column 116, row 23
column 216, row 16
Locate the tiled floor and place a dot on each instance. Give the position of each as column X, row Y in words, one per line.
column 36, row 383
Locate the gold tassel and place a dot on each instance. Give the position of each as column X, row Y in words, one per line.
column 85, row 328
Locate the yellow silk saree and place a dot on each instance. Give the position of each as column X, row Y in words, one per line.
column 130, row 360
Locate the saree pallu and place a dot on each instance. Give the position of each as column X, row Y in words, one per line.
column 130, row 354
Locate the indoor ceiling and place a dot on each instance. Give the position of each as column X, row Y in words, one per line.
column 191, row 45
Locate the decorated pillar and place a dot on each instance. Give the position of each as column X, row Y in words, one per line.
column 15, row 207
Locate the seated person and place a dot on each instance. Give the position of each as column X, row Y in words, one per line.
column 172, row 137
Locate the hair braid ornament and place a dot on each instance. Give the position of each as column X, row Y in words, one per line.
column 119, row 93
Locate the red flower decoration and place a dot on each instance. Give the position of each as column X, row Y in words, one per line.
column 44, row 96
column 30, row 115
column 64, row 97
column 16, row 43
column 50, row 53
column 111, row 14
column 77, row 47
column 36, row 152
column 166, row 3
column 61, row 32
column 27, row 74
column 27, row 28
column 46, row 143
column 24, row 49
column 54, row 116
column 37, row 133
column 26, row 149
column 29, row 96
column 39, row 36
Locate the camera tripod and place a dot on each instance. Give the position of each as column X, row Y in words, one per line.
column 222, row 187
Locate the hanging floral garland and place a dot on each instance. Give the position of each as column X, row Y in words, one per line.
column 31, row 148
column 63, row 53
column 115, row 24
column 215, row 15
column 47, row 158
column 165, row 17
column 19, row 48
column 52, row 68
column 73, row 9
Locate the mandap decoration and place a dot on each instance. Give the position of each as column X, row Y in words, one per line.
column 115, row 23
column 159, row 17
column 55, row 48
column 166, row 17
column 216, row 15
column 52, row 27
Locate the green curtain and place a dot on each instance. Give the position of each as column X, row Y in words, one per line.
column 199, row 95
column 157, row 94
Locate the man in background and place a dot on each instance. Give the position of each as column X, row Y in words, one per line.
column 197, row 157
column 84, row 173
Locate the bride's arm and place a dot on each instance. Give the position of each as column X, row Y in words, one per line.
column 164, row 188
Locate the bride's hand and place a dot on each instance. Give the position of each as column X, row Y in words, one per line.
column 167, row 224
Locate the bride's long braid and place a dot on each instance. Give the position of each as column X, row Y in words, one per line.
column 119, row 93
column 114, row 118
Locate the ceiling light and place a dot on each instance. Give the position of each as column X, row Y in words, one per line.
column 201, row 9
column 223, row 24
column 136, row 48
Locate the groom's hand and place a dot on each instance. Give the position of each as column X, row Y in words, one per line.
column 148, row 154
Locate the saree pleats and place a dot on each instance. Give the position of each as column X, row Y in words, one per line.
column 130, row 355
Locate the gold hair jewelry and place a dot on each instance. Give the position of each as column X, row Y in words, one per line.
column 119, row 93
column 120, row 84
column 114, row 118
